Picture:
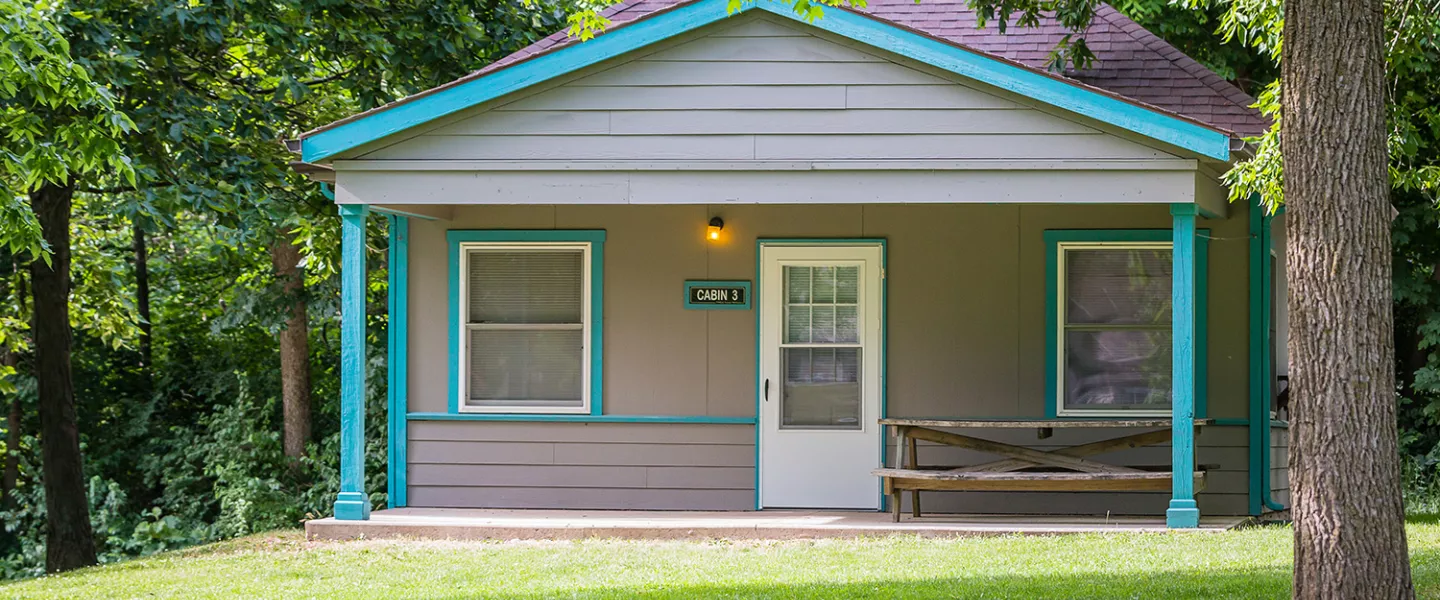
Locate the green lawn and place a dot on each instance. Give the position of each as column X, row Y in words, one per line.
column 1251, row 563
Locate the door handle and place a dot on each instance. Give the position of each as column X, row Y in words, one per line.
column 767, row 389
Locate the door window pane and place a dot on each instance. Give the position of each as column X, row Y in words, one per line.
column 821, row 388
column 822, row 304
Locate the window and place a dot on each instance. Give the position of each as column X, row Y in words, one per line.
column 1115, row 327
column 525, row 326
column 1108, row 322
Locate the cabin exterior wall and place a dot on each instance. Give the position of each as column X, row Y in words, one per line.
column 966, row 334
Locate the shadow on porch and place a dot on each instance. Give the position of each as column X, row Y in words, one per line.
column 472, row 524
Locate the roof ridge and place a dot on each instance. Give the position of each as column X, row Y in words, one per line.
column 1167, row 51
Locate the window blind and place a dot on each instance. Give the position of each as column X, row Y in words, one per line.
column 525, row 328
column 526, row 286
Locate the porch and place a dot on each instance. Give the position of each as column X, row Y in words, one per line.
column 480, row 524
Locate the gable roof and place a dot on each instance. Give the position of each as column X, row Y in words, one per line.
column 1138, row 83
column 1130, row 61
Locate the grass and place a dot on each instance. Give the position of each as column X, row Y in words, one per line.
column 1250, row 563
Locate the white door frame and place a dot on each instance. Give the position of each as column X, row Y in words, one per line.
column 881, row 345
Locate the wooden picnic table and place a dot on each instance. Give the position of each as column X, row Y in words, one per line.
column 1019, row 468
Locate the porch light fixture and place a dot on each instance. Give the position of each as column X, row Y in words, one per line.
column 713, row 231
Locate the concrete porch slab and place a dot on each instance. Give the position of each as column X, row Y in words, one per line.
column 474, row 524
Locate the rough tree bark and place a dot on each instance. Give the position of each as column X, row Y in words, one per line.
column 294, row 346
column 1344, row 461
column 142, row 297
column 69, row 541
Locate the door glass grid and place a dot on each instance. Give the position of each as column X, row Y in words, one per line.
column 820, row 350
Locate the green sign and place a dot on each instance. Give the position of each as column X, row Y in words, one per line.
column 717, row 295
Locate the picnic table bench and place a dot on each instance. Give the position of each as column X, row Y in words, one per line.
column 1020, row 468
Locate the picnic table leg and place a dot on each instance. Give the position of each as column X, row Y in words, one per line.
column 899, row 462
column 914, row 459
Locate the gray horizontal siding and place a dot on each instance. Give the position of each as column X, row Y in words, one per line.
column 711, row 467
column 768, row 95
column 910, row 146
column 1280, row 465
column 579, row 465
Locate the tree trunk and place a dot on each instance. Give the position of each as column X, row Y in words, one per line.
column 1344, row 461
column 294, row 346
column 69, row 542
column 142, row 298
column 12, row 437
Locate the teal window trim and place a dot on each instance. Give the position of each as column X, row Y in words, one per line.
column 397, row 361
column 1053, row 240
column 884, row 336
column 1033, row 83
column 692, row 284
column 564, row 418
column 456, row 238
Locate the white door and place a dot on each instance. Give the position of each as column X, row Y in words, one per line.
column 820, row 353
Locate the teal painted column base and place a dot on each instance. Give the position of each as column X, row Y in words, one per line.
column 352, row 506
column 1183, row 514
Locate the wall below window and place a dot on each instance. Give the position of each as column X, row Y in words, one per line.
column 966, row 335
column 582, row 465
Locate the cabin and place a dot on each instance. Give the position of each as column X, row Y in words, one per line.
column 730, row 259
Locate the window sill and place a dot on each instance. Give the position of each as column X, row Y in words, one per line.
column 577, row 418
column 1148, row 414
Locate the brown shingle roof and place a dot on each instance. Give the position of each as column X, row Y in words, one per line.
column 1130, row 61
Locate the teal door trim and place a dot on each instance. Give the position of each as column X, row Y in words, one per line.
column 397, row 361
column 1044, row 87
column 352, row 503
column 1183, row 513
column 884, row 336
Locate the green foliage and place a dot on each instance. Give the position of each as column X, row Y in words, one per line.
column 55, row 121
column 166, row 116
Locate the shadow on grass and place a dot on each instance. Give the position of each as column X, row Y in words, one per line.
column 1167, row 585
column 1423, row 519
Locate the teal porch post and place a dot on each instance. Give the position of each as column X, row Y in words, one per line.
column 1183, row 511
column 352, row 504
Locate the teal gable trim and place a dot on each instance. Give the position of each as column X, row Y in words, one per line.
column 1026, row 82
column 1053, row 239
column 1050, row 90
column 397, row 362
column 541, row 418
column 595, row 237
